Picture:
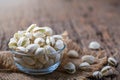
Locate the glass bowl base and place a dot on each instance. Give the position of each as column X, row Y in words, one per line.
column 38, row 71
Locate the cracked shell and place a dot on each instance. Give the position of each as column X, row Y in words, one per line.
column 97, row 75
column 88, row 58
column 112, row 61
column 73, row 54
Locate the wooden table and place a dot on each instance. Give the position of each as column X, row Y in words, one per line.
column 85, row 20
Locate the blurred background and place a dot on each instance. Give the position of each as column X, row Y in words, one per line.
column 83, row 19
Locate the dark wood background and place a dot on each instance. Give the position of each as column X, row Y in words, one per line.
column 85, row 20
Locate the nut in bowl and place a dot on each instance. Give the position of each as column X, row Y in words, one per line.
column 37, row 55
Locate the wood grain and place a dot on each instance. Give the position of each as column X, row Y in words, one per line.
column 85, row 20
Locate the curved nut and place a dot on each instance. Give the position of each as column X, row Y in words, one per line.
column 88, row 58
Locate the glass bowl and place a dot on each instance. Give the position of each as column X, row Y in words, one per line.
column 37, row 65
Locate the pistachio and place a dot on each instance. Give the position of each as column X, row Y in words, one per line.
column 32, row 48
column 112, row 61
column 94, row 45
column 19, row 34
column 38, row 34
column 39, row 51
column 12, row 44
column 43, row 58
column 59, row 44
column 73, row 54
column 31, row 27
column 23, row 41
column 97, row 74
column 39, row 65
column 28, row 60
column 21, row 62
column 84, row 65
column 39, row 41
column 48, row 31
column 88, row 58
column 57, row 37
column 106, row 71
column 50, row 40
column 21, row 49
column 49, row 63
column 57, row 57
column 50, row 49
column 39, row 29
column 29, row 35
column 70, row 68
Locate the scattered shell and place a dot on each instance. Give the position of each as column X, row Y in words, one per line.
column 59, row 44
column 94, row 45
column 84, row 65
column 97, row 75
column 107, row 70
column 70, row 68
column 28, row 60
column 39, row 41
column 39, row 51
column 32, row 48
column 23, row 41
column 21, row 49
column 31, row 27
column 112, row 61
column 73, row 54
column 88, row 58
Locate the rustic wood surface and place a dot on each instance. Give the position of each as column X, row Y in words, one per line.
column 85, row 20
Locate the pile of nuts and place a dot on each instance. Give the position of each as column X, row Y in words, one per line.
column 88, row 60
column 37, row 47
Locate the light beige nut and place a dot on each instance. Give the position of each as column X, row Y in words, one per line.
column 50, row 50
column 39, row 51
column 97, row 75
column 107, row 70
column 59, row 44
column 88, row 58
column 39, row 65
column 70, row 68
column 38, row 34
column 112, row 61
column 12, row 44
column 57, row 57
column 73, row 54
column 21, row 49
column 39, row 41
column 28, row 60
column 50, row 40
column 57, row 37
column 94, row 45
column 22, row 63
column 32, row 48
column 49, row 63
column 23, row 41
column 28, row 35
column 31, row 27
column 48, row 31
column 43, row 58
column 84, row 66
